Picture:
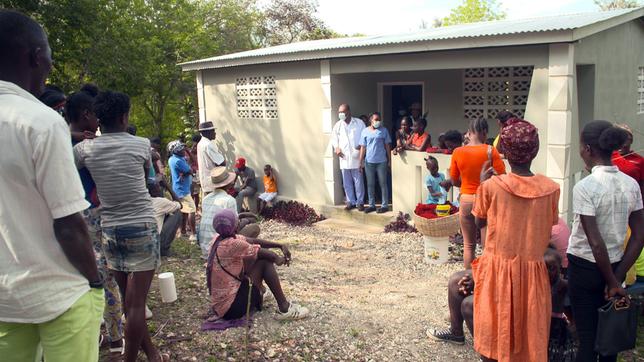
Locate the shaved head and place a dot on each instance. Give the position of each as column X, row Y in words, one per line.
column 25, row 56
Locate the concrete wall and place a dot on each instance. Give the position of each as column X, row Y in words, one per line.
column 292, row 144
column 443, row 91
column 616, row 53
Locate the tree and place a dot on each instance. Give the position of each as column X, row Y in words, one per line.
column 616, row 4
column 134, row 47
column 288, row 21
column 471, row 11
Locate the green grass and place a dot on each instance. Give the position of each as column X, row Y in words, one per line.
column 182, row 248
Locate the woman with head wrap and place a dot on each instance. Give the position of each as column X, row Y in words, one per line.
column 512, row 304
column 237, row 266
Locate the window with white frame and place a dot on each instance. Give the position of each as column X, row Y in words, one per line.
column 488, row 91
column 256, row 97
column 640, row 91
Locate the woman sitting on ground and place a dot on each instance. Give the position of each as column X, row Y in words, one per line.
column 237, row 267
column 419, row 140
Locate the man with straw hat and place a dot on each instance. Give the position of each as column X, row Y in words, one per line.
column 208, row 157
column 219, row 200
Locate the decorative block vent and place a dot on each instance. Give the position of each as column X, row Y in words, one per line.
column 256, row 97
column 488, row 91
column 640, row 91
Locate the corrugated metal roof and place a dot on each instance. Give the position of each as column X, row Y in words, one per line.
column 472, row 30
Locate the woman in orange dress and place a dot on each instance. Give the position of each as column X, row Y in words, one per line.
column 512, row 304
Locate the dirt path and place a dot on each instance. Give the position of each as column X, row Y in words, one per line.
column 371, row 299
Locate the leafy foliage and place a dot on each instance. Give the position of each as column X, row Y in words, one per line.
column 400, row 225
column 292, row 213
column 135, row 46
column 471, row 11
column 616, row 4
column 288, row 21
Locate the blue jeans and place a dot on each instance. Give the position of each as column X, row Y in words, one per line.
column 379, row 170
column 353, row 186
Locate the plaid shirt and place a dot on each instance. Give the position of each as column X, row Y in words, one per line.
column 210, row 206
column 610, row 196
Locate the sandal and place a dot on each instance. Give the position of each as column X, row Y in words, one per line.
column 165, row 357
column 294, row 312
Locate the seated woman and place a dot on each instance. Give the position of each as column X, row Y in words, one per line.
column 460, row 299
column 419, row 140
column 237, row 267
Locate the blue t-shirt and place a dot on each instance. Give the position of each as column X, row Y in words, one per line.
column 374, row 141
column 88, row 183
column 180, row 185
column 435, row 184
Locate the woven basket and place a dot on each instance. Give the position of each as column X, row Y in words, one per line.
column 438, row 227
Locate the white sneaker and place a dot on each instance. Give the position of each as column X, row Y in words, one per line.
column 295, row 311
column 148, row 313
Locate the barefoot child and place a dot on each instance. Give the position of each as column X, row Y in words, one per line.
column 437, row 194
column 270, row 189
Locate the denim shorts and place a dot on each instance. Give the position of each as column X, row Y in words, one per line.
column 132, row 248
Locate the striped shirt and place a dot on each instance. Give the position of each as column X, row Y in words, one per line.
column 610, row 196
column 116, row 162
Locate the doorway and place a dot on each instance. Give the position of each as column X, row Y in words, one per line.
column 396, row 97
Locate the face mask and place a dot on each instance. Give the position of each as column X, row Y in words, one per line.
column 376, row 124
column 342, row 116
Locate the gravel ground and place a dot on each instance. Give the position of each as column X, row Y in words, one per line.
column 371, row 299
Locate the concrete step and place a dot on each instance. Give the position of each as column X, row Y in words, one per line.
column 375, row 219
column 349, row 226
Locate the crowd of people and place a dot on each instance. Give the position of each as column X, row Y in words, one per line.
column 99, row 206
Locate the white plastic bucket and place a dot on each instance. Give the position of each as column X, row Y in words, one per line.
column 436, row 249
column 167, row 287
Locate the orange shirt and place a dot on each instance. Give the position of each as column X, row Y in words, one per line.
column 417, row 141
column 467, row 162
column 270, row 184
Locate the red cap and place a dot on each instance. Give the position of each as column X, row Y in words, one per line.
column 241, row 162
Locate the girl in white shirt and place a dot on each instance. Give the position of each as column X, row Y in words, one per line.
column 605, row 203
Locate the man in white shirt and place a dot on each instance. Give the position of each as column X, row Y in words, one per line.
column 50, row 289
column 345, row 139
column 207, row 156
column 166, row 215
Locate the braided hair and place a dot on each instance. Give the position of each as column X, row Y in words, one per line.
column 110, row 107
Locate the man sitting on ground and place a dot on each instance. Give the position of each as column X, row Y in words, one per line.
column 248, row 187
column 168, row 219
column 220, row 200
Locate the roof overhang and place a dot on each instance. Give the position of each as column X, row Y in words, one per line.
column 403, row 47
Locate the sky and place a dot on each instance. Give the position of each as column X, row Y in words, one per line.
column 373, row 17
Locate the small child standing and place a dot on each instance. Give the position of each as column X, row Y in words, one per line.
column 437, row 194
column 270, row 189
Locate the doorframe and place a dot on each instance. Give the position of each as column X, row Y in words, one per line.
column 381, row 86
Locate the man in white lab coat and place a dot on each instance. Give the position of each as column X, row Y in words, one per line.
column 345, row 141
